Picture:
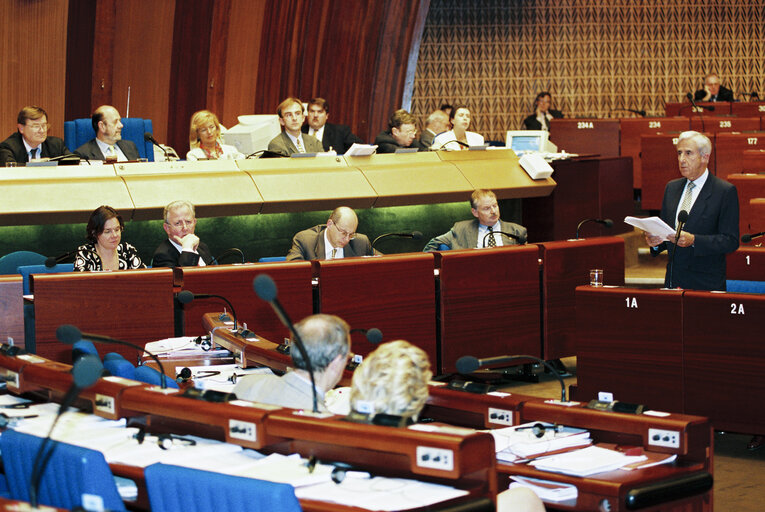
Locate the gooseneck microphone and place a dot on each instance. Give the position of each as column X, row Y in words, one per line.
column 682, row 218
column 70, row 334
column 517, row 238
column 469, row 364
column 186, row 297
column 373, row 335
column 167, row 151
column 464, row 145
column 414, row 235
column 265, row 289
column 52, row 261
column 85, row 372
column 749, row 237
column 606, row 222
column 229, row 252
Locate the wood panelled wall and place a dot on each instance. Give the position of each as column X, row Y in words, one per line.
column 230, row 56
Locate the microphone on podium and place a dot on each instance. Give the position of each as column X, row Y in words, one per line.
column 749, row 237
column 229, row 252
column 186, row 296
column 606, row 222
column 469, row 364
column 52, row 261
column 414, row 235
column 517, row 238
column 169, row 152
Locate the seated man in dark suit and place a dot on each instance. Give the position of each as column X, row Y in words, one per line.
column 336, row 137
column 338, row 239
column 182, row 247
column 108, row 144
column 712, row 90
column 711, row 230
column 31, row 141
column 327, row 343
column 480, row 232
column 401, row 133
column 292, row 140
column 437, row 122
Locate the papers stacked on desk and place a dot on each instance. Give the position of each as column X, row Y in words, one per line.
column 547, row 490
column 585, row 462
column 520, row 442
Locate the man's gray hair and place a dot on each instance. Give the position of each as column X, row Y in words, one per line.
column 175, row 205
column 701, row 141
column 325, row 337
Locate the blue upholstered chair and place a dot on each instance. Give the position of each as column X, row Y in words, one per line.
column 73, row 474
column 28, row 270
column 444, row 247
column 80, row 131
column 119, row 367
column 149, row 375
column 737, row 286
column 173, row 488
column 10, row 263
column 269, row 259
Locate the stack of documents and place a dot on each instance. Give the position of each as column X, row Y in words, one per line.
column 547, row 490
column 585, row 462
column 652, row 225
column 520, row 442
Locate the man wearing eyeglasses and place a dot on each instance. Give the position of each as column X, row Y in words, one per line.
column 401, row 134
column 182, row 247
column 292, row 140
column 338, row 239
column 31, row 141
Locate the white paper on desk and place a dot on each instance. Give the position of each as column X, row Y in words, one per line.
column 171, row 345
column 585, row 462
column 520, row 440
column 652, row 225
column 361, row 149
column 547, row 490
column 380, row 493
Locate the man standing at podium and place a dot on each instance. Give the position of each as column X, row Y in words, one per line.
column 292, row 140
column 712, row 90
column 327, row 343
column 31, row 141
column 711, row 230
column 338, row 239
column 486, row 230
column 182, row 247
column 108, row 144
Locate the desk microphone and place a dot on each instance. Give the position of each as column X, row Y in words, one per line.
column 450, row 141
column 148, row 137
column 85, row 372
column 52, row 261
column 186, row 297
column 682, row 218
column 70, row 334
column 749, row 237
column 414, row 235
column 228, row 252
column 374, row 335
column 517, row 238
column 606, row 222
column 469, row 364
column 265, row 288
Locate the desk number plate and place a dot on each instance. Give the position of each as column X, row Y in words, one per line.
column 243, row 430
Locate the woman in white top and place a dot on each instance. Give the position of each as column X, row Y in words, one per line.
column 204, row 139
column 458, row 137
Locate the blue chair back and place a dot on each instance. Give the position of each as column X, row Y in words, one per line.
column 72, row 473
column 267, row 259
column 444, row 247
column 120, row 367
column 80, row 131
column 737, row 286
column 83, row 347
column 149, row 375
column 173, row 488
column 10, row 263
column 28, row 270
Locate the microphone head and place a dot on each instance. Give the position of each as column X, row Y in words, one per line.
column 608, row 223
column 754, row 94
column 147, row 136
column 50, row 262
column 682, row 216
column 265, row 287
column 374, row 335
column 746, row 238
column 641, row 113
column 86, row 371
column 416, row 235
column 689, row 96
column 69, row 334
column 467, row 364
column 185, row 297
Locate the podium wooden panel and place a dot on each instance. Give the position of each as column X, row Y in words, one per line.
column 489, row 303
column 749, row 187
column 629, row 343
column 753, row 161
column 11, row 309
column 746, row 264
column 729, row 151
column 724, row 359
column 721, row 108
column 130, row 305
column 748, row 109
column 757, row 216
column 721, row 124
column 588, row 136
column 566, row 265
column 634, row 127
column 396, row 294
column 293, row 281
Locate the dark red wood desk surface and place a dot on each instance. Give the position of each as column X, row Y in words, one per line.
column 633, row 128
column 747, row 263
column 586, row 136
column 748, row 186
column 394, row 293
column 721, row 108
column 754, row 160
column 729, row 151
column 748, row 109
column 720, row 124
column 489, row 303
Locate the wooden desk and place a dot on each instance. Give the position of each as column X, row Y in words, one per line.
column 130, row 305
column 586, row 136
column 753, row 161
column 566, row 265
column 234, row 282
column 489, row 303
column 629, row 343
column 747, row 264
column 633, row 128
column 748, row 109
column 749, row 187
column 721, row 124
column 721, row 108
column 396, row 294
column 729, row 151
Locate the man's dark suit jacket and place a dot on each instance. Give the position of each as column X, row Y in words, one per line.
column 167, row 255
column 309, row 245
column 387, row 144
column 337, row 136
column 532, row 123
column 91, row 151
column 713, row 220
column 722, row 95
column 12, row 149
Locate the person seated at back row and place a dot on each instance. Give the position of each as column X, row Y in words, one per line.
column 338, row 239
column 540, row 119
column 106, row 251
column 486, row 230
column 458, row 137
column 108, row 143
column 204, row 139
column 182, row 247
column 292, row 140
column 401, row 134
column 31, row 140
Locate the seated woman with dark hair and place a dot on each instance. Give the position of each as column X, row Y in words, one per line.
column 106, row 251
